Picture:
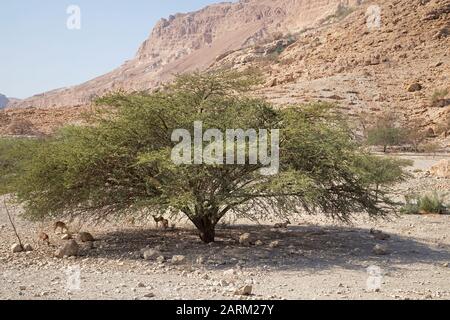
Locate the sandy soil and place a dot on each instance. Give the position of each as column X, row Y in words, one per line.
column 315, row 259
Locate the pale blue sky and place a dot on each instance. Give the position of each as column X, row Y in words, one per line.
column 38, row 53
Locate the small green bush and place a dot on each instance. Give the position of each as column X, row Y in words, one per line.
column 428, row 204
column 439, row 95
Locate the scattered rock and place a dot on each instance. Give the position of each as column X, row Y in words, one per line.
column 244, row 291
column 149, row 295
column 160, row 259
column 224, row 283
column 445, row 265
column 66, row 237
column 141, row 285
column 70, row 249
column 16, row 248
column 415, row 87
column 28, row 247
column 177, row 260
column 245, row 239
column 230, row 273
column 379, row 235
column 274, row 244
column 85, row 237
column 205, row 277
column 381, row 250
column 151, row 254
column 259, row 243
column 200, row 260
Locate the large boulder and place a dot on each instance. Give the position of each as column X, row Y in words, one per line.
column 69, row 249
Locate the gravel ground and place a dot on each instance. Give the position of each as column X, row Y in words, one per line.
column 313, row 259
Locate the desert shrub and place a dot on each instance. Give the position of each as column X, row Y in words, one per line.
column 438, row 95
column 341, row 12
column 427, row 204
column 13, row 153
column 430, row 147
column 386, row 132
column 121, row 163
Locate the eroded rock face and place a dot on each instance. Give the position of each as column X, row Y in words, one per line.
column 191, row 41
column 366, row 71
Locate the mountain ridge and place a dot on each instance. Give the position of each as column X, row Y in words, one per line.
column 189, row 41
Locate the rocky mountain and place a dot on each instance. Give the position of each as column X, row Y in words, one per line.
column 3, row 101
column 366, row 56
column 184, row 42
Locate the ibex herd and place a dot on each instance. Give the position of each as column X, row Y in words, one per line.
column 44, row 238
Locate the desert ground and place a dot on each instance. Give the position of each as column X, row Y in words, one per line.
column 314, row 258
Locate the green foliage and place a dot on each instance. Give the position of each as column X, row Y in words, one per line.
column 121, row 163
column 382, row 172
column 341, row 12
column 385, row 132
column 13, row 153
column 438, row 95
column 427, row 204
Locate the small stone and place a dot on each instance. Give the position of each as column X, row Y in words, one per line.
column 259, row 243
column 160, row 259
column 200, row 260
column 415, row 87
column 85, row 237
column 381, row 250
column 28, row 247
column 224, row 283
column 274, row 244
column 151, row 254
column 244, row 291
column 179, row 259
column 445, row 265
column 230, row 273
column 205, row 277
column 245, row 239
column 141, row 285
column 149, row 295
column 66, row 237
column 16, row 248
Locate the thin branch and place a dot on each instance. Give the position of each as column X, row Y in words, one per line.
column 12, row 223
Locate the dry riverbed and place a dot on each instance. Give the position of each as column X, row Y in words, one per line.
column 313, row 259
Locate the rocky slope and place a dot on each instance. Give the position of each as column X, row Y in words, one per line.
column 397, row 67
column 308, row 50
column 190, row 41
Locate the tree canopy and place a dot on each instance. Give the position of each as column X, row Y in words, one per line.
column 120, row 162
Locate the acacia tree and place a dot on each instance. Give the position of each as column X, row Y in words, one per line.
column 121, row 162
column 385, row 132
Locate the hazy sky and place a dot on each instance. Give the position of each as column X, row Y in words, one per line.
column 39, row 53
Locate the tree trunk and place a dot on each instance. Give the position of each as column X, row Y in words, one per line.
column 206, row 227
